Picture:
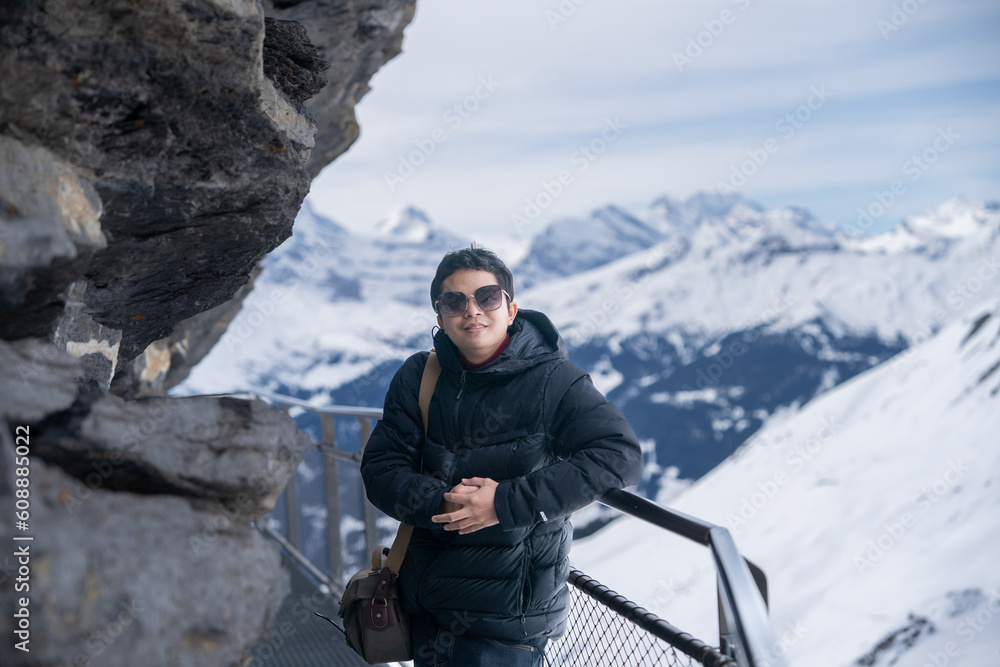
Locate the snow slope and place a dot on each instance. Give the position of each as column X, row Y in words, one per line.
column 874, row 510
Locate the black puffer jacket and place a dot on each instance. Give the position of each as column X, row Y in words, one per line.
column 531, row 420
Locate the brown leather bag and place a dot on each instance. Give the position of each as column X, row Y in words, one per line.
column 375, row 624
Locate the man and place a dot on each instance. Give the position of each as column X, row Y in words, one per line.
column 518, row 438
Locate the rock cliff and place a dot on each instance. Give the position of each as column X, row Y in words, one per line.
column 151, row 153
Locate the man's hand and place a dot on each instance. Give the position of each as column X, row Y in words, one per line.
column 448, row 507
column 469, row 506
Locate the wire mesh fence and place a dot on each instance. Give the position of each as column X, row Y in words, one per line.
column 605, row 628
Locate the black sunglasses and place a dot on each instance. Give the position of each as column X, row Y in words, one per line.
column 454, row 304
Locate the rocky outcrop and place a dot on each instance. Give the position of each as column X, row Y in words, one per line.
column 166, row 362
column 151, row 153
column 354, row 44
column 140, row 517
column 120, row 579
column 356, row 40
column 162, row 109
column 237, row 453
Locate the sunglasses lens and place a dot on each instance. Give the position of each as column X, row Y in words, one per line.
column 489, row 297
column 452, row 304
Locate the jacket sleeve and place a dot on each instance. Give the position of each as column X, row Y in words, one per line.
column 390, row 465
column 596, row 448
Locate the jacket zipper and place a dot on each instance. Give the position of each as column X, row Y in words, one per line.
column 461, row 386
column 526, row 588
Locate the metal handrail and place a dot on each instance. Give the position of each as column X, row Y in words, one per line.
column 744, row 608
column 743, row 626
column 299, row 557
column 335, row 410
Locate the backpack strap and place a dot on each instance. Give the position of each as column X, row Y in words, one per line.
column 432, row 370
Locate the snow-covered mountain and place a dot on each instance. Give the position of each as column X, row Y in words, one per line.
column 571, row 245
column 702, row 336
column 874, row 510
column 737, row 314
column 734, row 313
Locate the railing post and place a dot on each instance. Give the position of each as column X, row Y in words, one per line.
column 728, row 640
column 291, row 504
column 743, row 608
column 331, row 472
column 370, row 513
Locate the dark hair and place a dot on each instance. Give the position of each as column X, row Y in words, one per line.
column 474, row 259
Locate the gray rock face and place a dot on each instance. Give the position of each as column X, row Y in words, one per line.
column 120, row 579
column 196, row 157
column 140, row 513
column 356, row 40
column 237, row 453
column 166, row 362
column 151, row 153
column 49, row 229
column 37, row 379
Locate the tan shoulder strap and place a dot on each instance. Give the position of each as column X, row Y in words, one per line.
column 432, row 370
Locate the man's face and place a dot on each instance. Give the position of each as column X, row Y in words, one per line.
column 477, row 333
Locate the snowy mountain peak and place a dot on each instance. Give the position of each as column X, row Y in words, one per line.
column 798, row 226
column 616, row 220
column 571, row 245
column 957, row 221
column 671, row 216
column 310, row 225
column 407, row 224
column 714, row 205
column 956, row 218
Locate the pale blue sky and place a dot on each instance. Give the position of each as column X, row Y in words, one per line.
column 838, row 96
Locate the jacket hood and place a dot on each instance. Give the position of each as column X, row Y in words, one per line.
column 533, row 339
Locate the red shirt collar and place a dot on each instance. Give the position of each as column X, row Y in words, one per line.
column 469, row 366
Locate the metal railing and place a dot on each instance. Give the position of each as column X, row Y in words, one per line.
column 745, row 638
column 606, row 628
column 744, row 632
